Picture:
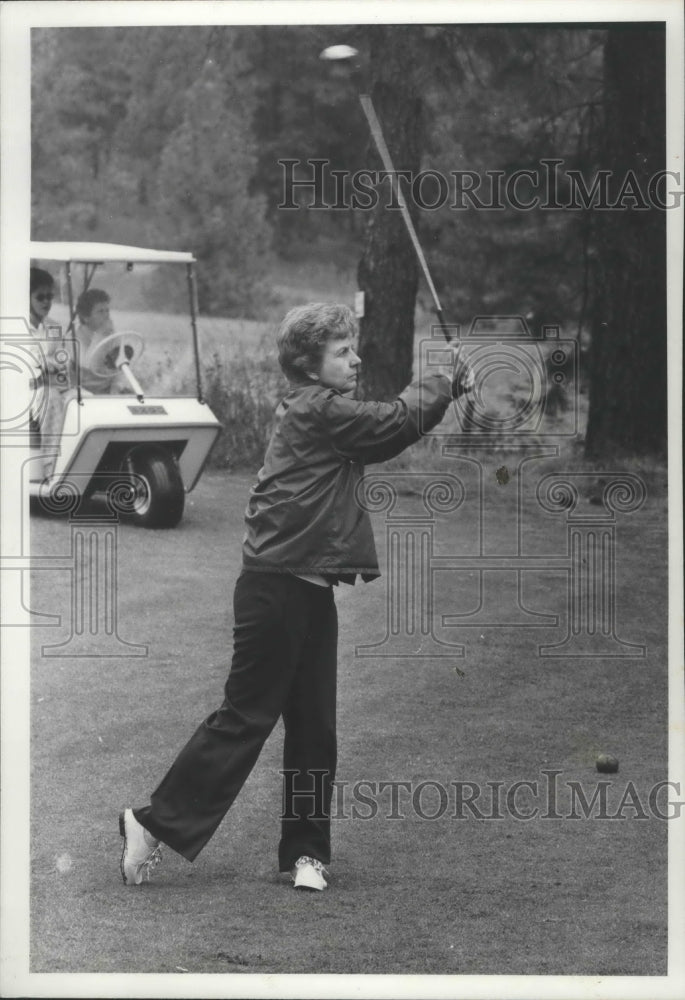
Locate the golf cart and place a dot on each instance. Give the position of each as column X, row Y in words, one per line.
column 139, row 451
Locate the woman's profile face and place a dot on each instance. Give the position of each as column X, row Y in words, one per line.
column 41, row 302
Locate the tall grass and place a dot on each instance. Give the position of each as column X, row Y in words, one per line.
column 243, row 393
column 242, row 385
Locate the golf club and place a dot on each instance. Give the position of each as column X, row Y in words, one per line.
column 384, row 153
column 344, row 53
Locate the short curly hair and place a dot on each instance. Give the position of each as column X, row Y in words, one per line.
column 304, row 333
column 88, row 300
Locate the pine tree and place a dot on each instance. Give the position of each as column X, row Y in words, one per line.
column 628, row 399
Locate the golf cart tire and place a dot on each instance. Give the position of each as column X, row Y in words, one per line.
column 160, row 496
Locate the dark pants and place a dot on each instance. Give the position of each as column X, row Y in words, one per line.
column 284, row 663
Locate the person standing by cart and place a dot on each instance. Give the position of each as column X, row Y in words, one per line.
column 305, row 533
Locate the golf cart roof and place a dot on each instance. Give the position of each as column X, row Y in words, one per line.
column 92, row 253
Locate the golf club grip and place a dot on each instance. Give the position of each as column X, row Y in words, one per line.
column 377, row 133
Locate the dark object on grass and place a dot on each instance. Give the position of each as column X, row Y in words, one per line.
column 606, row 763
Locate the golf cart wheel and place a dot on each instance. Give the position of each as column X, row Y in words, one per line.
column 158, row 496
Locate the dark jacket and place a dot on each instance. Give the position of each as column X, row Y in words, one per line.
column 302, row 515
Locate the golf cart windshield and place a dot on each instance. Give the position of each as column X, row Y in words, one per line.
column 146, row 295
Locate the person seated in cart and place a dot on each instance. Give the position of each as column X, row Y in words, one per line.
column 95, row 323
column 155, row 442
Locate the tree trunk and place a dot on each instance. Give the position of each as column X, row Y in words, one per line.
column 628, row 413
column 388, row 271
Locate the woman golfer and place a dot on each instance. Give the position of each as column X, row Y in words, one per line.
column 305, row 533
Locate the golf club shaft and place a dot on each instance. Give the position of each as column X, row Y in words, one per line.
column 377, row 133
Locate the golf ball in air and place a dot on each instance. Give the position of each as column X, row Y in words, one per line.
column 339, row 52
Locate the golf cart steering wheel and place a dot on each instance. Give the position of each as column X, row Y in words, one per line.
column 113, row 351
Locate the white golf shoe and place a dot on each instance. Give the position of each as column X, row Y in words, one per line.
column 140, row 852
column 308, row 873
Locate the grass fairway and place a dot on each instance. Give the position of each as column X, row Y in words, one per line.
column 408, row 895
